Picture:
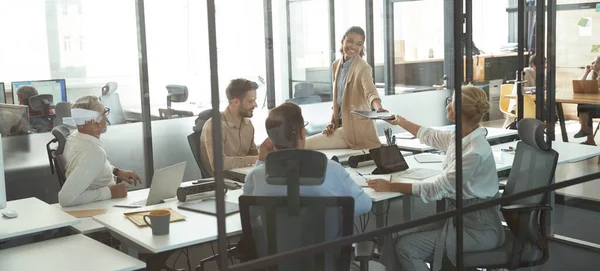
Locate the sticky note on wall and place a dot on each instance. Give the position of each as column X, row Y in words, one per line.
column 595, row 48
column 597, row 7
column 583, row 22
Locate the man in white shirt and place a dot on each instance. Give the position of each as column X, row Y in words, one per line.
column 90, row 176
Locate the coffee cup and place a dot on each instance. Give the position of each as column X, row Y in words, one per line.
column 159, row 221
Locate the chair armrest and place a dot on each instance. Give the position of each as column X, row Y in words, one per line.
column 363, row 251
column 521, row 208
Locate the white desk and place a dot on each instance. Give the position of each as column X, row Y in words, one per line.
column 341, row 154
column 196, row 229
column 88, row 225
column 415, row 145
column 567, row 153
column 75, row 252
column 34, row 216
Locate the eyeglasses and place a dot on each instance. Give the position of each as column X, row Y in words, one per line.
column 448, row 100
column 305, row 123
column 106, row 111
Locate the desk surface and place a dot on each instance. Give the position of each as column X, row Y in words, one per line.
column 66, row 254
column 196, row 229
column 404, row 141
column 569, row 97
column 34, row 216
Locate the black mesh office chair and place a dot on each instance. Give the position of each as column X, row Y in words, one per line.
column 55, row 157
column 275, row 224
column 44, row 122
column 194, row 140
column 526, row 244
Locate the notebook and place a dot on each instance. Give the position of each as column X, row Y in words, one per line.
column 428, row 158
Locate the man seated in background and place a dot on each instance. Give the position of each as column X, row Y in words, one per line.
column 586, row 112
column 285, row 127
column 90, row 176
column 26, row 92
column 237, row 131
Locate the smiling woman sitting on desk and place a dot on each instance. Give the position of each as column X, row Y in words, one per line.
column 88, row 171
column 483, row 229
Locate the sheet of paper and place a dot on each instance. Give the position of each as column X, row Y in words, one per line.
column 428, row 158
column 585, row 26
column 362, row 180
column 86, row 213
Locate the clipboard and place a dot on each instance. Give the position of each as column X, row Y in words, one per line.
column 374, row 115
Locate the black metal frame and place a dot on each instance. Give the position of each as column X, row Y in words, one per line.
column 388, row 48
column 458, row 78
column 370, row 32
column 269, row 58
column 145, row 92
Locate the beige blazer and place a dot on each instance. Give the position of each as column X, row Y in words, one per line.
column 359, row 93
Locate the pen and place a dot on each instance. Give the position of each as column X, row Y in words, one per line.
column 361, row 175
column 394, row 140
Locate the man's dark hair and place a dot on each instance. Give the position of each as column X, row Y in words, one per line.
column 531, row 60
column 238, row 88
column 26, row 92
column 284, row 125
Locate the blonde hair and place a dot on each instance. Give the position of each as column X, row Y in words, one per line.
column 89, row 103
column 475, row 104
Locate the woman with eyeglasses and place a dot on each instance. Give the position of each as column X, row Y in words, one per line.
column 353, row 89
column 90, row 176
column 483, row 230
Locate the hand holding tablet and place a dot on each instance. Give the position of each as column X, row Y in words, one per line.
column 375, row 115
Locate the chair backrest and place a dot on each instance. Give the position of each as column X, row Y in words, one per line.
column 55, row 156
column 528, row 107
column 203, row 117
column 506, row 89
column 194, row 141
column 62, row 110
column 533, row 167
column 267, row 221
column 306, row 100
column 304, row 89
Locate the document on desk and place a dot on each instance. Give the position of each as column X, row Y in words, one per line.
column 428, row 158
column 362, row 180
column 419, row 173
column 86, row 213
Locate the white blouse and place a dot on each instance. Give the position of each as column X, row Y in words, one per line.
column 480, row 179
column 88, row 171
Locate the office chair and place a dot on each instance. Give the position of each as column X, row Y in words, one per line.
column 62, row 110
column 42, row 103
column 194, row 140
column 55, row 157
column 110, row 98
column 526, row 244
column 177, row 94
column 267, row 221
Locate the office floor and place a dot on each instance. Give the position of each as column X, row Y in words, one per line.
column 569, row 221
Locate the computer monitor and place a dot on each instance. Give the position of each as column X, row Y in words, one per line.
column 14, row 120
column 56, row 87
column 2, row 93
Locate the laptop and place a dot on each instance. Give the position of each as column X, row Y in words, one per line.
column 164, row 186
column 374, row 115
column 585, row 86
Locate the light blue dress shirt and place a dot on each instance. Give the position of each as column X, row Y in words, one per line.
column 341, row 82
column 337, row 183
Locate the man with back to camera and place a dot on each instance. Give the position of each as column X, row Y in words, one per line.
column 90, row 176
column 239, row 149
